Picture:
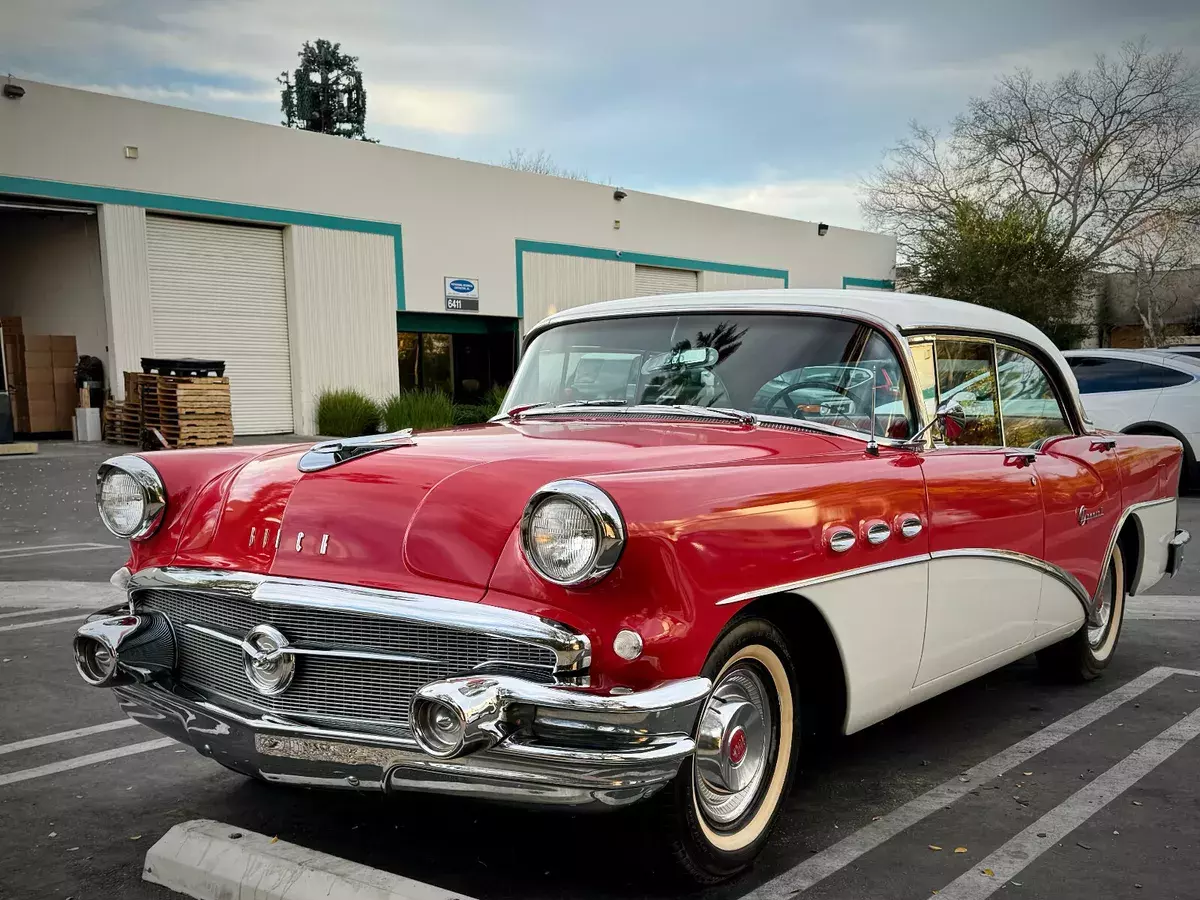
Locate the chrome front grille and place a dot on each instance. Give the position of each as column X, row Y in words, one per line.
column 363, row 694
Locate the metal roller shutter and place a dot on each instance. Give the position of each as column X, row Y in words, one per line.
column 651, row 280
column 217, row 292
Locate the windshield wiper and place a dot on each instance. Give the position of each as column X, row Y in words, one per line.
column 547, row 407
column 714, row 412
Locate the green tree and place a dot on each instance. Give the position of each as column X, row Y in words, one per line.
column 1006, row 260
column 325, row 93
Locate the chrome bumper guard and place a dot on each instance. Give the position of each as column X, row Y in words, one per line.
column 1175, row 551
column 584, row 751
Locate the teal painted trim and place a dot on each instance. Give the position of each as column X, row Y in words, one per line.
column 454, row 323
column 86, row 193
column 881, row 284
column 630, row 256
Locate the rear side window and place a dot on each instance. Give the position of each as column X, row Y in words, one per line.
column 1162, row 377
column 1101, row 375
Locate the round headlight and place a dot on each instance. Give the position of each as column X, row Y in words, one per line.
column 130, row 497
column 572, row 533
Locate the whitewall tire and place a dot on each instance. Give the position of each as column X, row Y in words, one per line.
column 722, row 806
column 1085, row 654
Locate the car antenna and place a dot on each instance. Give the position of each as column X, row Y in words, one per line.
column 872, row 444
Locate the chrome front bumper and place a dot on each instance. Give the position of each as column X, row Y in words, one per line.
column 611, row 751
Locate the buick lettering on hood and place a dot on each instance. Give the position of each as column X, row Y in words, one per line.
column 703, row 529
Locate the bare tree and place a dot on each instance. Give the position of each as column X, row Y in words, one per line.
column 1150, row 256
column 1101, row 153
column 540, row 162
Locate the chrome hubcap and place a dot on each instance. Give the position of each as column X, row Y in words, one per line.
column 1102, row 614
column 733, row 745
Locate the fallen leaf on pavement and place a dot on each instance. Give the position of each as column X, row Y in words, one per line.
column 1026, row 773
column 989, row 873
column 275, row 840
column 960, row 849
column 136, row 837
column 934, row 847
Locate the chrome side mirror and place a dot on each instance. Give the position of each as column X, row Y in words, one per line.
column 952, row 417
column 949, row 415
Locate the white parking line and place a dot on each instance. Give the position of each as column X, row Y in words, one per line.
column 24, row 612
column 1051, row 828
column 48, row 549
column 60, row 619
column 64, row 736
column 1163, row 607
column 80, row 761
column 832, row 859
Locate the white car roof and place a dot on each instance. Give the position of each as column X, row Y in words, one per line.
column 899, row 311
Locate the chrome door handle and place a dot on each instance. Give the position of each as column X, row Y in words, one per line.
column 1020, row 457
column 1103, row 444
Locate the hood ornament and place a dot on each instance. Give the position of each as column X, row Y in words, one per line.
column 332, row 453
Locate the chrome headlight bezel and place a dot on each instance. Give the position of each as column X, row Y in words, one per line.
column 605, row 517
column 154, row 495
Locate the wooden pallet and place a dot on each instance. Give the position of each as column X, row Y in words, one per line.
column 122, row 423
column 187, row 411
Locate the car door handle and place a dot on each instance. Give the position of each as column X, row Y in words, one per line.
column 1104, row 444
column 1019, row 457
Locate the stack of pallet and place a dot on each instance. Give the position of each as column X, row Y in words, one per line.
column 122, row 422
column 186, row 411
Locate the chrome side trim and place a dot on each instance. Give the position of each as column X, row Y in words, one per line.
column 824, row 579
column 1116, row 533
column 1023, row 559
column 572, row 650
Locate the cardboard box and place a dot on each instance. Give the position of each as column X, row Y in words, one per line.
column 38, row 343
column 38, row 359
column 40, row 391
column 64, row 374
column 62, row 349
column 42, row 417
column 11, row 325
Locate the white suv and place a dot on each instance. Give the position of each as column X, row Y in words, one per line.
column 1143, row 392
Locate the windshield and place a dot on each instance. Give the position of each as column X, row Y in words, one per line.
column 804, row 367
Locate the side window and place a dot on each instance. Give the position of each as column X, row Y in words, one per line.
column 1162, row 377
column 966, row 370
column 1030, row 410
column 1103, row 375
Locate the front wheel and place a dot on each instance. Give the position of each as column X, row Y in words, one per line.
column 1085, row 654
column 720, row 809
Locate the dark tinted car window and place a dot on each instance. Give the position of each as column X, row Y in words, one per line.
column 1160, row 377
column 1099, row 374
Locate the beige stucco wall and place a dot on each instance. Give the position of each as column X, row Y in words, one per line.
column 459, row 218
column 50, row 277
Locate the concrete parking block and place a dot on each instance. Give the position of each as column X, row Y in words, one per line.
column 212, row 861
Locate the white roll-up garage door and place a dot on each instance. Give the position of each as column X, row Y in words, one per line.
column 217, row 292
column 650, row 280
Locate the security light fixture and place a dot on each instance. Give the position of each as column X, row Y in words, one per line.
column 13, row 91
column 619, row 195
column 822, row 229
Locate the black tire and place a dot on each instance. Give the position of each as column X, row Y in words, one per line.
column 1087, row 653
column 705, row 851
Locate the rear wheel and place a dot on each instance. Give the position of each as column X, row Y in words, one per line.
column 1085, row 654
column 721, row 807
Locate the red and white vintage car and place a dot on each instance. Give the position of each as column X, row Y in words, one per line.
column 703, row 528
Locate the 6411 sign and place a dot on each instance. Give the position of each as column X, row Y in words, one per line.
column 462, row 294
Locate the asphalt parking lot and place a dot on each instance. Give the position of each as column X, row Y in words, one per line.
column 1066, row 792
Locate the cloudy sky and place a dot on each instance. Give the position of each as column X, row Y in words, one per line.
column 779, row 106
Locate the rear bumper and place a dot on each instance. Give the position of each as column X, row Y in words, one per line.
column 605, row 764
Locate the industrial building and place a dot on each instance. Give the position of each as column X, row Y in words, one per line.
column 307, row 261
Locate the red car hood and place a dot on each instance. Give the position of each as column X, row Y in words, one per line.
column 434, row 517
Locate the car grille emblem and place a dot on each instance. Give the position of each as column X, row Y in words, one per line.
column 268, row 664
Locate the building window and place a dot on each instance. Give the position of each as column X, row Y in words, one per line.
column 437, row 363
column 408, row 351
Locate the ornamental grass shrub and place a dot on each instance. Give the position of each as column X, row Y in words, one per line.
column 420, row 410
column 346, row 413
